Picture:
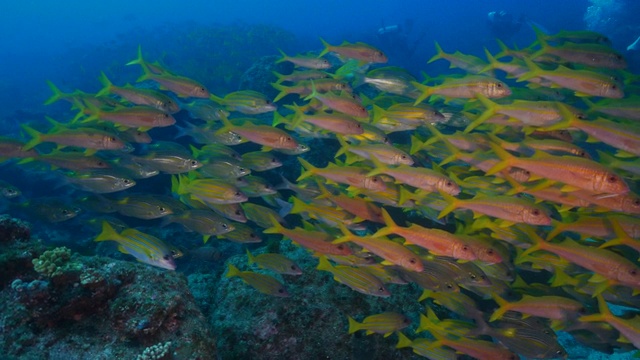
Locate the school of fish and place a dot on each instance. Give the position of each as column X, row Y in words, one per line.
column 521, row 171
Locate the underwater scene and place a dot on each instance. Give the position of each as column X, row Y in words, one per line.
column 335, row 180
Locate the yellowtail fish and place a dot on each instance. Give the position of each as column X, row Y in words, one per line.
column 358, row 51
column 136, row 116
column 246, row 102
column 79, row 97
column 137, row 96
column 181, row 86
column 513, row 210
column 261, row 215
column 305, row 61
column 595, row 55
column 386, row 154
column 468, row 63
column 629, row 328
column 550, row 307
column 305, row 87
column 263, row 283
column 144, row 247
column 99, row 182
column 391, row 251
column 583, row 82
column 345, row 104
column 390, row 79
column 357, row 279
column 70, row 160
column 535, row 342
column 606, row 264
column 628, row 108
column 88, row 138
column 275, row 262
column 207, row 190
column 205, row 222
column 479, row 349
column 349, row 175
column 261, row 134
column 362, row 208
column 335, row 122
column 575, row 171
column 386, row 323
column 406, row 114
column 316, row 241
column 465, row 87
column 579, row 36
column 10, row 148
column 457, row 302
column 419, row 177
column 327, row 214
column 300, row 75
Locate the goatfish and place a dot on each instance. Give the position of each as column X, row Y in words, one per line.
column 362, row 52
column 205, row 222
column 342, row 103
column 148, row 97
column 180, row 85
column 88, row 138
column 245, row 101
column 261, row 134
column 317, row 241
column 386, row 323
column 144, row 247
column 349, row 175
column 305, row 61
column 263, row 283
column 465, row 87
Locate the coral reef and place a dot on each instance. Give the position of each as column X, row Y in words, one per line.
column 70, row 306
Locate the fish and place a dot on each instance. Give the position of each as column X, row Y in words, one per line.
column 385, row 323
column 245, row 101
column 275, row 262
column 88, row 138
column 261, row 134
column 144, row 247
column 305, row 61
column 359, row 51
column 316, row 241
column 99, row 181
column 205, row 222
column 352, row 176
column 49, row 209
column 465, row 87
column 469, row 63
column 207, row 190
column 242, row 234
column 144, row 206
column 138, row 96
column 510, row 209
column 550, row 307
column 9, row 191
column 356, row 278
column 345, row 104
column 261, row 282
column 629, row 328
column 260, row 161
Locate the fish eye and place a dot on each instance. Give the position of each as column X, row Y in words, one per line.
column 273, row 160
column 535, row 212
column 340, row 247
column 412, row 260
column 281, row 291
column 499, row 85
column 465, row 248
column 225, row 226
column 636, row 202
column 194, row 162
column 614, row 87
column 201, row 89
column 293, row 267
column 237, row 193
column 449, row 286
column 65, row 212
column 126, row 181
column 403, row 157
column 100, row 163
column 242, row 169
column 162, row 209
column 612, row 179
column 166, row 257
column 381, row 289
column 237, row 212
column 289, row 138
column 559, row 352
column 448, row 183
column 252, row 235
column 473, row 276
column 112, row 138
column 633, row 272
column 165, row 115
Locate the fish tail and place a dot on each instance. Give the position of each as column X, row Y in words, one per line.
column 416, row 145
column 425, row 295
column 353, row 325
column 544, row 46
column 452, row 204
column 591, row 106
column 378, row 167
column 493, row 62
column 491, row 108
column 36, row 137
column 326, row 50
column 279, row 76
column 425, row 323
column 57, row 94
column 107, row 234
column 426, row 92
column 276, row 227
column 280, row 119
column 390, row 225
column 378, row 113
column 314, row 92
column 104, row 80
column 534, row 71
column 284, row 57
column 538, row 243
column 311, row 170
column 139, row 60
column 568, row 119
column 284, row 91
column 250, row 258
column 324, row 264
column 403, row 341
column 344, row 146
column 604, row 311
column 503, row 307
column 504, row 50
column 227, row 125
column 439, row 54
column 233, row 271
column 506, row 158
